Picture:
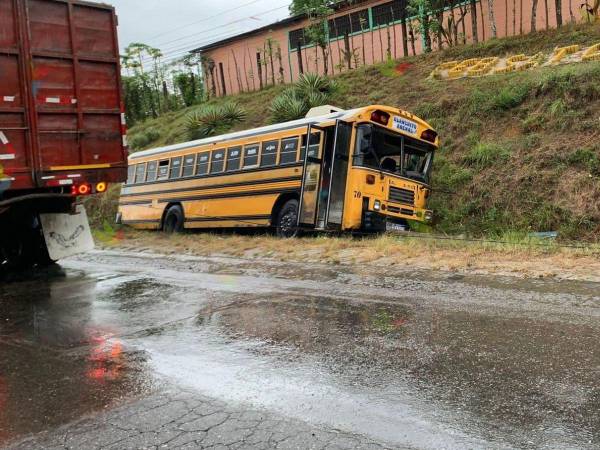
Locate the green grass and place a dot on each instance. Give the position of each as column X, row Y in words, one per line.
column 519, row 151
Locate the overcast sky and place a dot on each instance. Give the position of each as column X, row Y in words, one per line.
column 175, row 26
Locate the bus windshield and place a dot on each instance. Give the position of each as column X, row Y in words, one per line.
column 381, row 149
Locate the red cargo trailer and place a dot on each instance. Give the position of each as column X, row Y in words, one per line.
column 62, row 127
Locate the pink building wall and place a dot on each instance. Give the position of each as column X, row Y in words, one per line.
column 238, row 57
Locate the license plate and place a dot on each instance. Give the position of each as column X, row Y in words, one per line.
column 67, row 234
column 390, row 226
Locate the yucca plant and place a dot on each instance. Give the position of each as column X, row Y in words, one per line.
column 233, row 113
column 309, row 91
column 288, row 106
column 312, row 82
column 213, row 120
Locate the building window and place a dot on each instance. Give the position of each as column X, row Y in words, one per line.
column 298, row 38
column 339, row 27
column 389, row 12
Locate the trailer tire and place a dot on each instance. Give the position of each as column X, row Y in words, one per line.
column 174, row 220
column 286, row 225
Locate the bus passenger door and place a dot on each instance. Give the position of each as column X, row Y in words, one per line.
column 311, row 177
column 338, row 175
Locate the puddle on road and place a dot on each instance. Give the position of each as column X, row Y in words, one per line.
column 430, row 377
column 58, row 359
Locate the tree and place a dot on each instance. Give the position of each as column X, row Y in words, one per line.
column 493, row 18
column 317, row 32
column 558, row 5
column 534, row 5
column 474, row 20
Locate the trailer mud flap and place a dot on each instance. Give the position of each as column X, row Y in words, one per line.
column 67, row 234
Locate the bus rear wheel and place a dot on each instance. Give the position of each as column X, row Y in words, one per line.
column 286, row 223
column 174, row 220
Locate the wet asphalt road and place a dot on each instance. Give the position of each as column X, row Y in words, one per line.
column 120, row 351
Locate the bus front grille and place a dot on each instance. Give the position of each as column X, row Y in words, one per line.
column 404, row 196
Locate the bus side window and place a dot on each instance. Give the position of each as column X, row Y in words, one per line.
column 218, row 161
column 163, row 170
column 289, row 151
column 202, row 163
column 251, row 156
column 131, row 174
column 151, row 172
column 315, row 141
column 269, row 153
column 189, row 162
column 140, row 173
column 234, row 158
column 175, row 168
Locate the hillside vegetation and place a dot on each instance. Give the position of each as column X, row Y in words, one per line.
column 520, row 152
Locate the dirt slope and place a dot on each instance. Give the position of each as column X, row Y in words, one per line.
column 521, row 152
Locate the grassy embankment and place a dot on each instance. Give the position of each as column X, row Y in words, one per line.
column 520, row 152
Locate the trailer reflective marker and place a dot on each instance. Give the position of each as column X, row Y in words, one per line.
column 7, row 150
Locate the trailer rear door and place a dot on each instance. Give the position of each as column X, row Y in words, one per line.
column 60, row 97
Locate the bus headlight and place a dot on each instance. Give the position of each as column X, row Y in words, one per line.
column 428, row 216
column 377, row 205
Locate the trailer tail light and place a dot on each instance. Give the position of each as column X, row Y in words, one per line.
column 380, row 117
column 429, row 136
column 101, row 187
column 81, row 189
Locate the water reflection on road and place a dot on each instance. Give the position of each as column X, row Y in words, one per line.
column 497, row 375
column 400, row 365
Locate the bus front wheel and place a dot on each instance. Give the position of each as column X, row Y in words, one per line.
column 174, row 220
column 287, row 220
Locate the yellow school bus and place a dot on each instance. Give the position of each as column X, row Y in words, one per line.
column 366, row 169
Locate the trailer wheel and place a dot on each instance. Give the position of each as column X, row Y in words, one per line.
column 287, row 220
column 12, row 254
column 174, row 220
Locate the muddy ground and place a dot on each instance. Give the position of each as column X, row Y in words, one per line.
column 122, row 350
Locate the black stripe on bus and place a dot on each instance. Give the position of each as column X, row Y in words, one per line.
column 214, row 175
column 228, row 218
column 217, row 186
column 214, row 196
column 135, row 222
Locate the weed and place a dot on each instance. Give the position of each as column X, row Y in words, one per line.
column 486, row 154
column 144, row 139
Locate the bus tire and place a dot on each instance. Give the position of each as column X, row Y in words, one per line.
column 286, row 224
column 174, row 220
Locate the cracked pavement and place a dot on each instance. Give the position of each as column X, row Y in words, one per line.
column 141, row 351
column 184, row 420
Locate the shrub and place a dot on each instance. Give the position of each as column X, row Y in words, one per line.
column 143, row 139
column 213, row 120
column 510, row 97
column 288, row 106
column 586, row 158
column 486, row 154
column 309, row 91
